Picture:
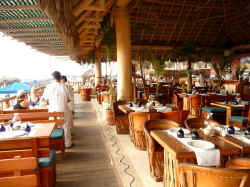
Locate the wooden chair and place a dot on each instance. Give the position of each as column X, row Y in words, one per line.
column 57, row 136
column 196, row 176
column 178, row 101
column 24, row 111
column 155, row 151
column 240, row 163
column 241, row 121
column 16, row 167
column 195, row 105
column 31, row 147
column 121, row 119
column 194, row 123
column 136, row 127
column 178, row 116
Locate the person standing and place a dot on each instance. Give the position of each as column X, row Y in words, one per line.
column 57, row 96
column 71, row 103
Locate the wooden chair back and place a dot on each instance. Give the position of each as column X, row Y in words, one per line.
column 178, row 101
column 116, row 105
column 159, row 124
column 23, row 147
column 137, row 119
column 194, row 123
column 196, row 176
column 178, row 116
column 195, row 105
column 16, row 166
column 24, row 111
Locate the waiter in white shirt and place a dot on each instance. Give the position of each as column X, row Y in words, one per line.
column 57, row 96
column 71, row 103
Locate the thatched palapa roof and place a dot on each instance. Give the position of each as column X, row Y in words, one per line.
column 74, row 27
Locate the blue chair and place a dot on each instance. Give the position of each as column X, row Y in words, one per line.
column 240, row 121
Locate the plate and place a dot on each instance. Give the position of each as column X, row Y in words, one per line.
column 174, row 130
column 201, row 144
column 18, row 133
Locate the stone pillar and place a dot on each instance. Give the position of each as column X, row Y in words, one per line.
column 123, row 44
column 98, row 68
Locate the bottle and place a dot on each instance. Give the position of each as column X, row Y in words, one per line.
column 2, row 129
column 180, row 133
column 230, row 129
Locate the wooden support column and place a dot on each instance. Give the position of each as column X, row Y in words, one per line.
column 123, row 43
column 98, row 68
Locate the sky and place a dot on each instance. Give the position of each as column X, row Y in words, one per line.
column 21, row 61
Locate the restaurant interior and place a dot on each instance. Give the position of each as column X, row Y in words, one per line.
column 174, row 111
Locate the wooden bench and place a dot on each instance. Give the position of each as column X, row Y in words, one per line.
column 30, row 147
column 16, row 166
column 23, row 111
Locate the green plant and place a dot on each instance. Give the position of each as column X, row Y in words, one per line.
column 189, row 53
column 158, row 66
column 220, row 64
column 239, row 72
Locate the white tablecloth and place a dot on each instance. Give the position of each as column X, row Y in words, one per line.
column 209, row 157
column 9, row 133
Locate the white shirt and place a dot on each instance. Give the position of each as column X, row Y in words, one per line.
column 58, row 96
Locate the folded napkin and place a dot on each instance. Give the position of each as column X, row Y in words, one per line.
column 163, row 109
column 204, row 157
column 140, row 109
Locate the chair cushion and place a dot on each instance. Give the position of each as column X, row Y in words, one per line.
column 214, row 109
column 239, row 119
column 57, row 133
column 47, row 161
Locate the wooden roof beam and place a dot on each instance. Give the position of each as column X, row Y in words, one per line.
column 87, row 26
column 25, row 19
column 20, row 7
column 188, row 4
column 81, row 7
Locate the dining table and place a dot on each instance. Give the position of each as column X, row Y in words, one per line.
column 229, row 106
column 175, row 152
column 126, row 109
column 40, row 131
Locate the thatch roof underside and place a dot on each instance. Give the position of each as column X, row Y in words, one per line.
column 25, row 21
column 158, row 25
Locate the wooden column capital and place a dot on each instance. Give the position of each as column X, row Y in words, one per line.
column 122, row 3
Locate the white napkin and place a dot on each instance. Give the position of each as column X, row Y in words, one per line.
column 163, row 109
column 209, row 157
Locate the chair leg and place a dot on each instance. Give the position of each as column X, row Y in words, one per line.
column 62, row 150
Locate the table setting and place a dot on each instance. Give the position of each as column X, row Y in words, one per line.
column 18, row 129
column 206, row 152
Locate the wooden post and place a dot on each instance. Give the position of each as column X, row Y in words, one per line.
column 123, row 43
column 98, row 68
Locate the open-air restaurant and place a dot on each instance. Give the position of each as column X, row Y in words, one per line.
column 163, row 99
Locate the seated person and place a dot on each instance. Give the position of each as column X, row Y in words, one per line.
column 22, row 102
column 34, row 97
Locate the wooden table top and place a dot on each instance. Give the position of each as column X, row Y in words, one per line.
column 180, row 151
column 244, row 147
column 226, row 105
column 45, row 130
column 125, row 109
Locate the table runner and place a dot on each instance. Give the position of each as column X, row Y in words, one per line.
column 204, row 157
